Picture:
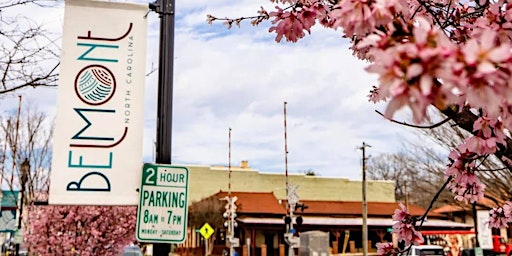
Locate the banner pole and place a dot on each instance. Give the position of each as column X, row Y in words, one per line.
column 165, row 8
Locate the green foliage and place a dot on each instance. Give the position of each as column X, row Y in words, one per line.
column 310, row 172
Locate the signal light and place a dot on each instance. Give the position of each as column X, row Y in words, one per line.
column 299, row 220
column 301, row 206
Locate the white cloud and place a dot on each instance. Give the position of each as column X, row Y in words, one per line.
column 240, row 79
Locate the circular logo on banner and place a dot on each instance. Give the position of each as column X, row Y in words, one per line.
column 95, row 84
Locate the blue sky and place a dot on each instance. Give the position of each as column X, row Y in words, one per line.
column 239, row 78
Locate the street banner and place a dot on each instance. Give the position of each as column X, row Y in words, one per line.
column 97, row 149
column 484, row 230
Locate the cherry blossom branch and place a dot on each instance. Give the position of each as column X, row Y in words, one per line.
column 416, row 126
column 430, row 11
column 481, row 162
column 493, row 170
column 465, row 120
column 24, row 2
column 434, row 199
column 257, row 19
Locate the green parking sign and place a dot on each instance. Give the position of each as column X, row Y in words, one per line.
column 163, row 204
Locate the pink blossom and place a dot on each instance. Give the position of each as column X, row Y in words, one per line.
column 360, row 17
column 445, row 54
column 84, row 230
column 292, row 24
column 404, row 226
column 471, row 191
column 481, row 146
column 288, row 25
column 497, row 218
column 384, row 249
column 400, row 214
column 484, row 53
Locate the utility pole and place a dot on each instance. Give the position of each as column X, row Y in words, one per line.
column 165, row 9
column 231, row 207
column 25, row 173
column 292, row 201
column 365, row 204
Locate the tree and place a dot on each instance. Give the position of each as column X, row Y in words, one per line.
column 26, row 135
column 418, row 167
column 28, row 53
column 208, row 210
column 80, row 230
column 454, row 56
column 421, row 166
column 309, row 172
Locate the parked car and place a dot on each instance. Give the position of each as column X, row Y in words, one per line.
column 426, row 250
column 471, row 252
column 132, row 250
column 500, row 246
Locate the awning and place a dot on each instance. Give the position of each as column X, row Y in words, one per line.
column 330, row 221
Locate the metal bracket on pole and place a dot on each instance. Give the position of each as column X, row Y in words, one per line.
column 162, row 9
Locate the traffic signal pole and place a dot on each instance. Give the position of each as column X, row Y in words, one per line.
column 231, row 207
column 165, row 9
column 292, row 199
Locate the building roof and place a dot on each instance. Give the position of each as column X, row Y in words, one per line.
column 483, row 203
column 255, row 202
column 267, row 203
column 356, row 208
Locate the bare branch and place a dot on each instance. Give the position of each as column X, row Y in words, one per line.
column 28, row 52
column 416, row 126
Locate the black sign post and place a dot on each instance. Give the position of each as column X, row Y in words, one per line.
column 165, row 8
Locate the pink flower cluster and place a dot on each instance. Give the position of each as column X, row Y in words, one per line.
column 454, row 55
column 404, row 227
column 292, row 24
column 446, row 54
column 501, row 216
column 80, row 230
column 384, row 249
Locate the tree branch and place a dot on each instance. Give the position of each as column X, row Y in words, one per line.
column 416, row 126
column 433, row 201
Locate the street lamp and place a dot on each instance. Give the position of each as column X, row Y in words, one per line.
column 25, row 170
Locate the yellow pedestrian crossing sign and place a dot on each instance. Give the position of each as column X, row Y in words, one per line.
column 206, row 230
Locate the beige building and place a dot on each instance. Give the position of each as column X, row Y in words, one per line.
column 334, row 205
column 208, row 180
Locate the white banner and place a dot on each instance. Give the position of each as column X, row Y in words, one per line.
column 484, row 231
column 97, row 150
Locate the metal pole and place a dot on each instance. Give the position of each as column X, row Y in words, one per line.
column 2, row 162
column 365, row 204
column 475, row 221
column 206, row 247
column 20, row 220
column 231, row 220
column 25, row 170
column 289, row 207
column 15, row 145
column 165, row 92
column 285, row 150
